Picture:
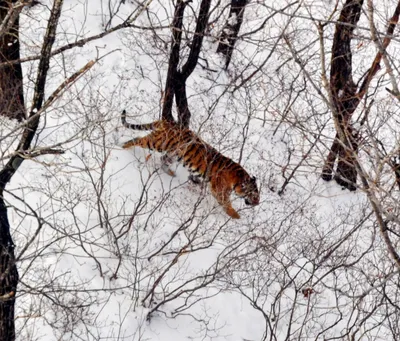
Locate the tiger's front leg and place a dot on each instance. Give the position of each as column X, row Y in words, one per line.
column 222, row 194
column 195, row 179
column 167, row 161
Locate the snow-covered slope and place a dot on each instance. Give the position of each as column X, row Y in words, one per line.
column 109, row 247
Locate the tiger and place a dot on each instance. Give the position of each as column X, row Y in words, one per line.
column 203, row 161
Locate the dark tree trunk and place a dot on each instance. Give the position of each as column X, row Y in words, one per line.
column 11, row 89
column 169, row 91
column 395, row 163
column 327, row 171
column 230, row 32
column 8, row 277
column 345, row 101
column 176, row 80
column 346, row 172
column 12, row 106
column 181, row 101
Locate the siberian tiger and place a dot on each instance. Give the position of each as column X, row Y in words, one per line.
column 175, row 141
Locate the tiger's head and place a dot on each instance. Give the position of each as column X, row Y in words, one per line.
column 248, row 190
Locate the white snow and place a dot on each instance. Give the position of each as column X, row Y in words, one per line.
column 103, row 225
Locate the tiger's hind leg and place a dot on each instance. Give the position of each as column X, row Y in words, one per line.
column 144, row 142
column 130, row 143
column 137, row 141
column 222, row 194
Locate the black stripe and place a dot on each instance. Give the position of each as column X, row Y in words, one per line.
column 188, row 137
column 158, row 143
column 176, row 141
column 216, row 163
column 198, row 161
column 236, row 167
column 171, row 140
column 190, row 149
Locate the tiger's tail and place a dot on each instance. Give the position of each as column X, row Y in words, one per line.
column 147, row 126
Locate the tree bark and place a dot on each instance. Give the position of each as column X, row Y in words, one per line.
column 230, row 32
column 12, row 106
column 169, row 91
column 11, row 89
column 327, row 170
column 8, row 277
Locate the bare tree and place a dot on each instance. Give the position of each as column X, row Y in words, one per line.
column 346, row 95
column 176, row 79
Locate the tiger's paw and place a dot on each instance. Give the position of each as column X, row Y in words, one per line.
column 195, row 179
column 171, row 173
column 167, row 170
column 232, row 213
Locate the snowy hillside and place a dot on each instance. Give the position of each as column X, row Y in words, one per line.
column 110, row 247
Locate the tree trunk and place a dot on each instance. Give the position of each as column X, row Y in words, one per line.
column 12, row 106
column 8, row 277
column 169, row 91
column 327, row 171
column 346, row 172
column 345, row 99
column 176, row 80
column 11, row 89
column 230, row 32
column 345, row 96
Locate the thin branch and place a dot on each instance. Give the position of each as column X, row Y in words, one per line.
column 383, row 46
column 271, row 52
column 67, row 83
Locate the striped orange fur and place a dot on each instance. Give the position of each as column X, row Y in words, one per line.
column 223, row 174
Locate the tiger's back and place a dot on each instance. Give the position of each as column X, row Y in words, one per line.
column 200, row 158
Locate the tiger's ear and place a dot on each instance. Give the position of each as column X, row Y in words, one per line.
column 253, row 178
